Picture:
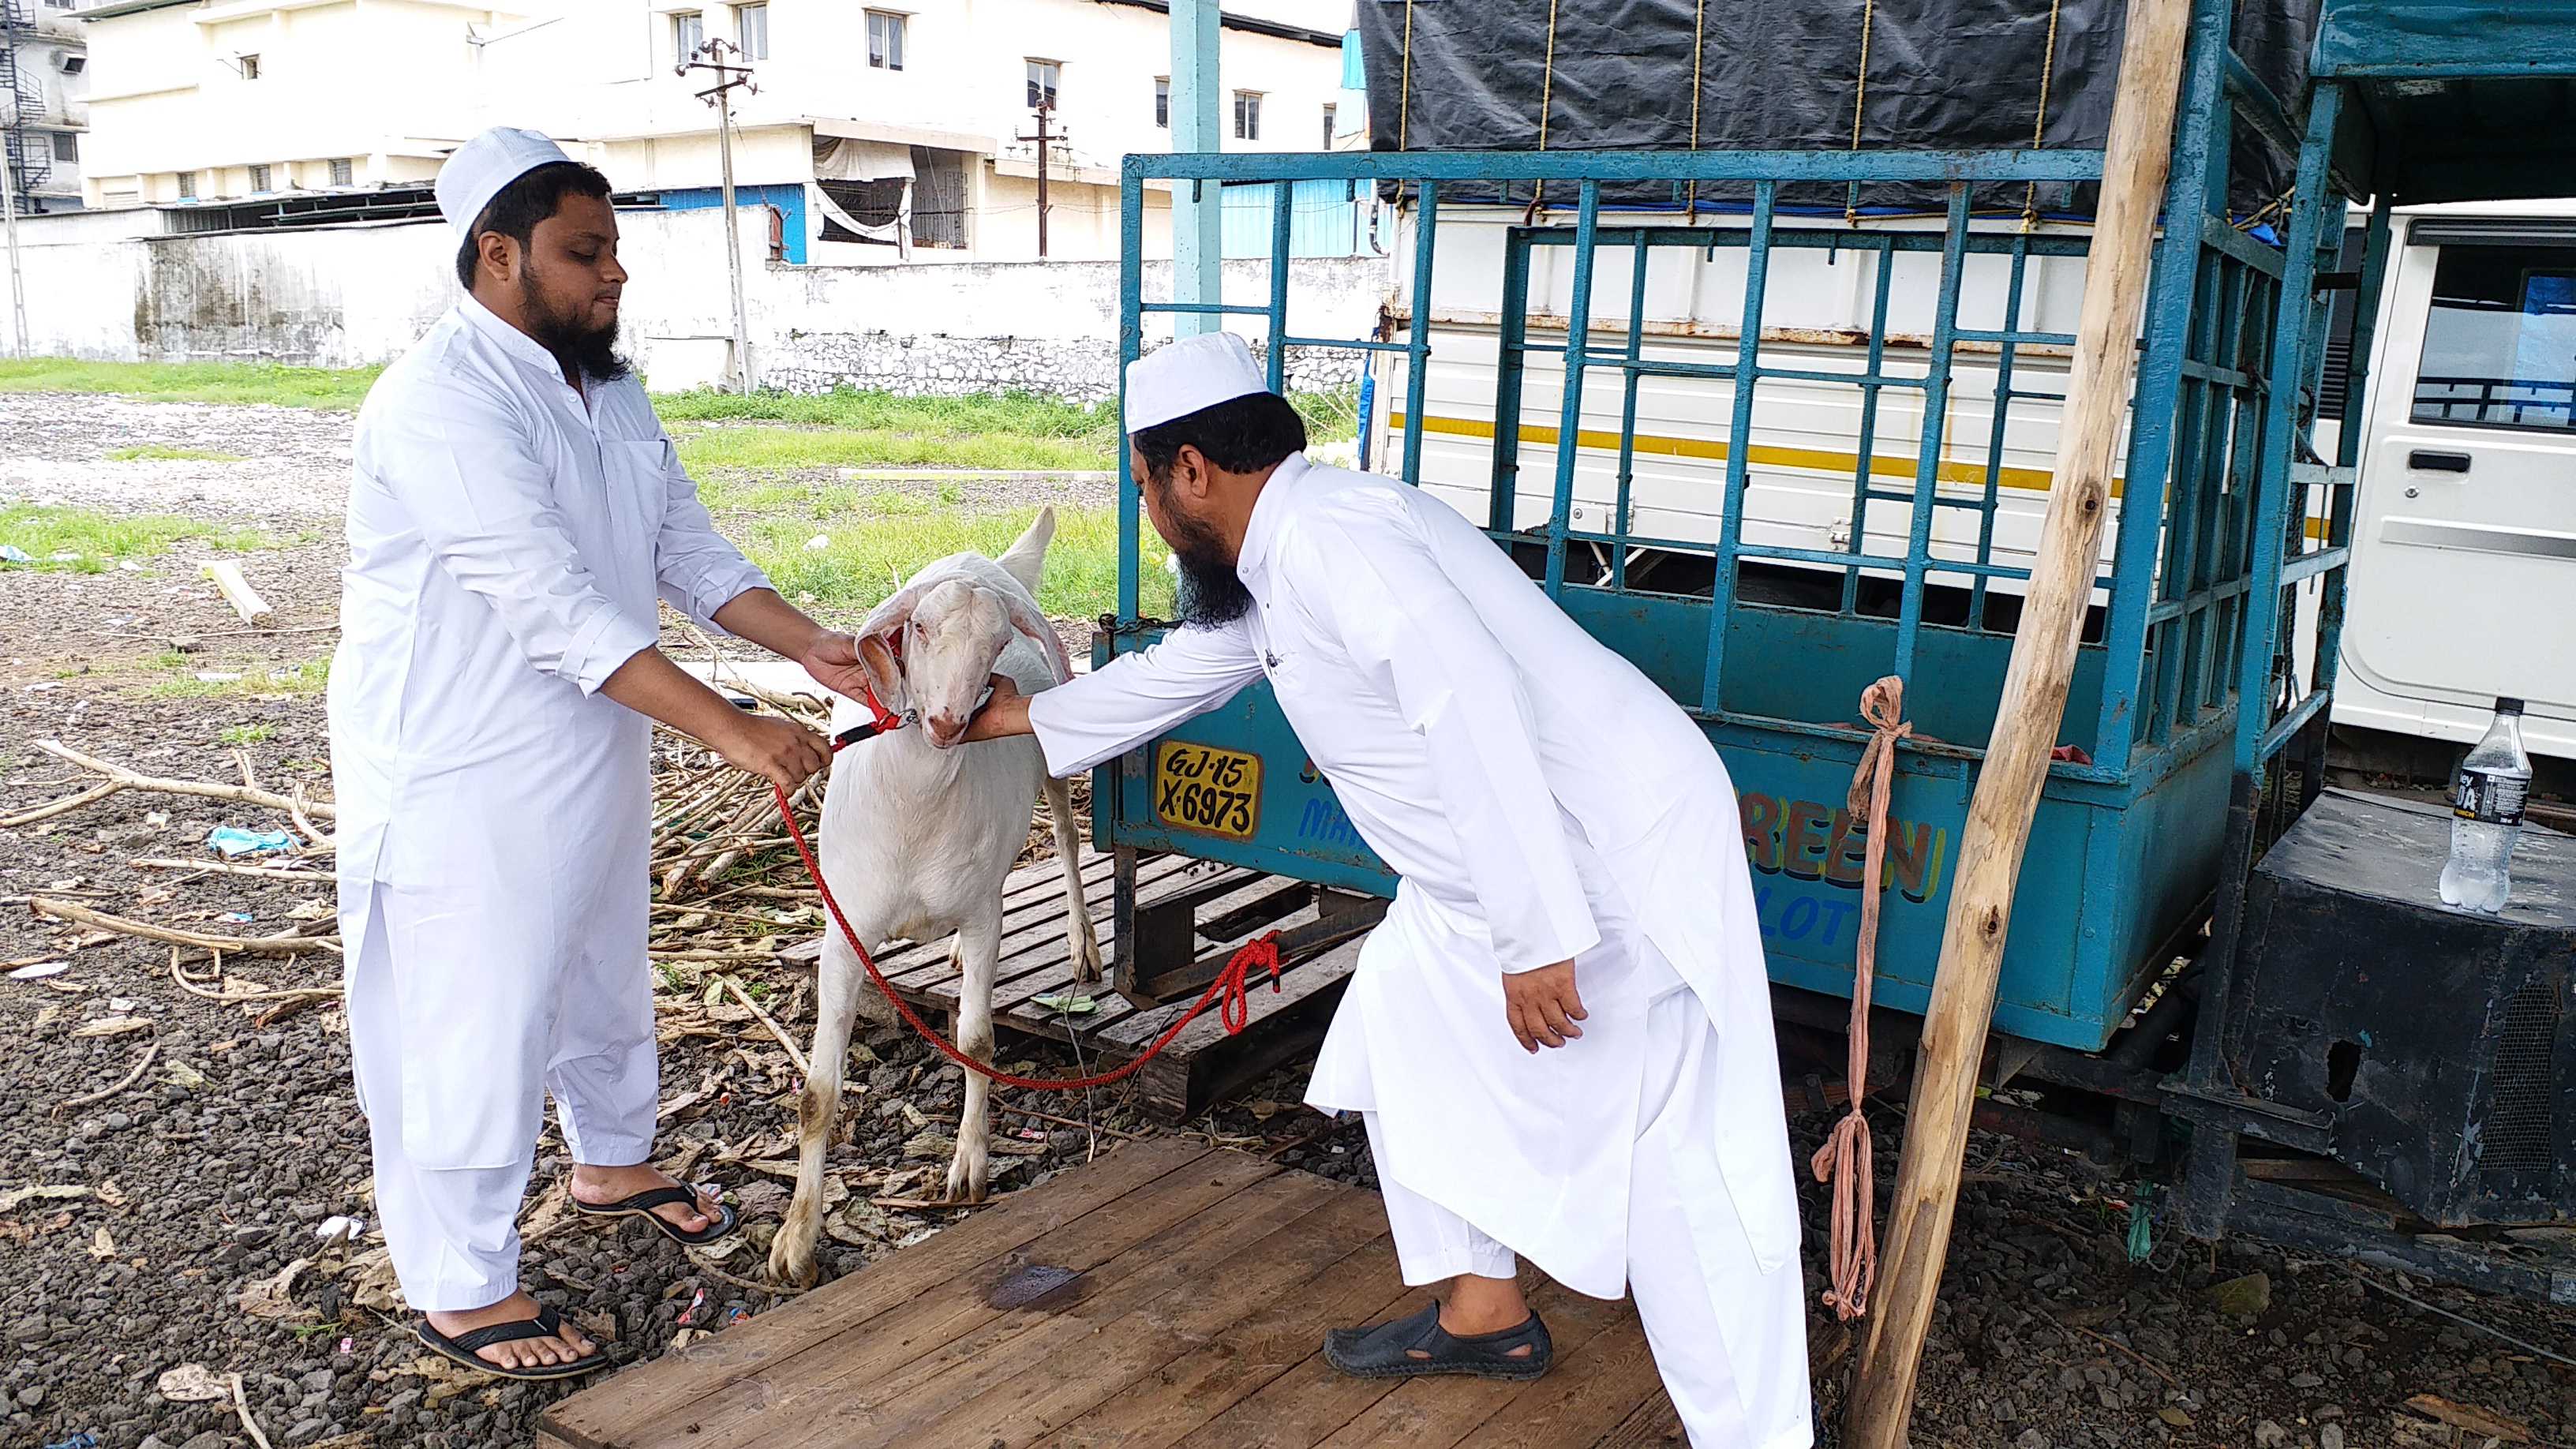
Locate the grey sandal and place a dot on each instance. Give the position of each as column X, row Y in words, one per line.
column 1387, row 1350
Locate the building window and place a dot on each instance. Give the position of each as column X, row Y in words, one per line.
column 258, row 179
column 1163, row 101
column 66, row 146
column 187, row 186
column 1044, row 76
column 1329, row 113
column 1247, row 115
column 938, row 198
column 249, row 65
column 688, row 32
column 885, row 40
column 344, row 171
column 751, row 31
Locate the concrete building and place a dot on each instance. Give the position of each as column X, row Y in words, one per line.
column 875, row 135
column 44, row 113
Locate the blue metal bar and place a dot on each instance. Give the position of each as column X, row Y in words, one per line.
column 2154, row 482
column 1503, row 496
column 1569, row 427
column 1936, row 406
column 2223, row 376
column 2009, row 337
column 2289, row 724
column 1131, row 345
column 2217, row 235
column 1417, row 353
column 1759, row 167
column 2001, row 410
column 1629, row 381
column 1834, row 238
column 2280, row 424
column 1279, row 218
column 2308, row 565
column 1730, row 528
column 1655, row 368
column 1353, row 344
column 2196, row 600
column 1862, row 455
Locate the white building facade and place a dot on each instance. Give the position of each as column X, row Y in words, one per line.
column 881, row 134
column 44, row 111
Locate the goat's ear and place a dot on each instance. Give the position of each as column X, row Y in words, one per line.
column 876, row 653
column 884, row 674
column 1030, row 622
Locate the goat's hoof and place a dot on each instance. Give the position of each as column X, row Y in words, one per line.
column 792, row 1263
column 966, row 1183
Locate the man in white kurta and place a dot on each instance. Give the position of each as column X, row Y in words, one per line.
column 1543, row 803
column 515, row 515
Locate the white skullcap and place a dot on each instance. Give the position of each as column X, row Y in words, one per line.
column 1188, row 374
column 476, row 171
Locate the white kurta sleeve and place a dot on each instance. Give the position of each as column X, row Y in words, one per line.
column 699, row 569
column 1406, row 627
column 470, row 479
column 1104, row 714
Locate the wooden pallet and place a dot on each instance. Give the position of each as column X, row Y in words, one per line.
column 1165, row 1295
column 1192, row 915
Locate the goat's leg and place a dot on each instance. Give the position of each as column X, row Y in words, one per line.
column 981, row 945
column 840, row 989
column 1080, row 938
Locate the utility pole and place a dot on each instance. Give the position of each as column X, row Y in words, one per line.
column 728, row 76
column 1198, row 211
column 1046, row 109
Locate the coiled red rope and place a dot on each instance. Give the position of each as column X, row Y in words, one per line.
column 1843, row 1163
column 1227, row 993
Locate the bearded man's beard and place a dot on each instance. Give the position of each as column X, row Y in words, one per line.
column 592, row 351
column 1211, row 592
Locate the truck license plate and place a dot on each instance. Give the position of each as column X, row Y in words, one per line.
column 1207, row 790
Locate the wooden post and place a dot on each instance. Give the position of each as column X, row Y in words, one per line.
column 2026, row 721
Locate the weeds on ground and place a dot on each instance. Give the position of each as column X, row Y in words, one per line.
column 83, row 540
column 330, row 388
column 165, row 453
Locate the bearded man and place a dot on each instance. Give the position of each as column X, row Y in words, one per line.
column 515, row 509
column 1560, row 1037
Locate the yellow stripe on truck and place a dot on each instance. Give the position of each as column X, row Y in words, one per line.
column 1822, row 460
column 1881, row 465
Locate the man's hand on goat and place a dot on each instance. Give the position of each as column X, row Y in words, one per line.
column 1542, row 1006
column 1004, row 715
column 833, row 660
column 780, row 751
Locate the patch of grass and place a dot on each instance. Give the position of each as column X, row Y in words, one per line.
column 251, row 734
column 306, row 678
column 890, row 536
column 765, row 447
column 330, row 388
column 981, row 413
column 96, row 541
column 164, row 453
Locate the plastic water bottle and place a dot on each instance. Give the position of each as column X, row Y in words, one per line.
column 2486, row 815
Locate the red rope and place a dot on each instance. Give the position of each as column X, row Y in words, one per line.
column 1227, row 993
column 1844, row 1161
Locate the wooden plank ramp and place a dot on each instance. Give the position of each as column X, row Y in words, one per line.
column 1204, row 1063
column 1167, row 1294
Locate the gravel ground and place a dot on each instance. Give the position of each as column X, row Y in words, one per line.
column 177, row 1226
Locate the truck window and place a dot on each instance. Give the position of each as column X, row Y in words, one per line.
column 2500, row 345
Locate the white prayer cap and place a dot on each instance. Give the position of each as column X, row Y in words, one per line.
column 476, row 171
column 1188, row 374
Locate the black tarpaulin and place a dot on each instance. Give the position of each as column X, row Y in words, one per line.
column 1816, row 75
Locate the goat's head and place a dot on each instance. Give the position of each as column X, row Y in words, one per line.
column 932, row 646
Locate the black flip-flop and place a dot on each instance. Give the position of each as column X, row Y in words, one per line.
column 1387, row 1350
column 641, row 1205
column 464, row 1348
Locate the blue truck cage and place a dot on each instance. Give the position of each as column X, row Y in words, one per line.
column 2197, row 715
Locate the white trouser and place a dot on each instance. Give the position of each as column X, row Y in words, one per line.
column 1728, row 1338
column 454, row 1232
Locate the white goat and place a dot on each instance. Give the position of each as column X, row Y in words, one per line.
column 919, row 833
